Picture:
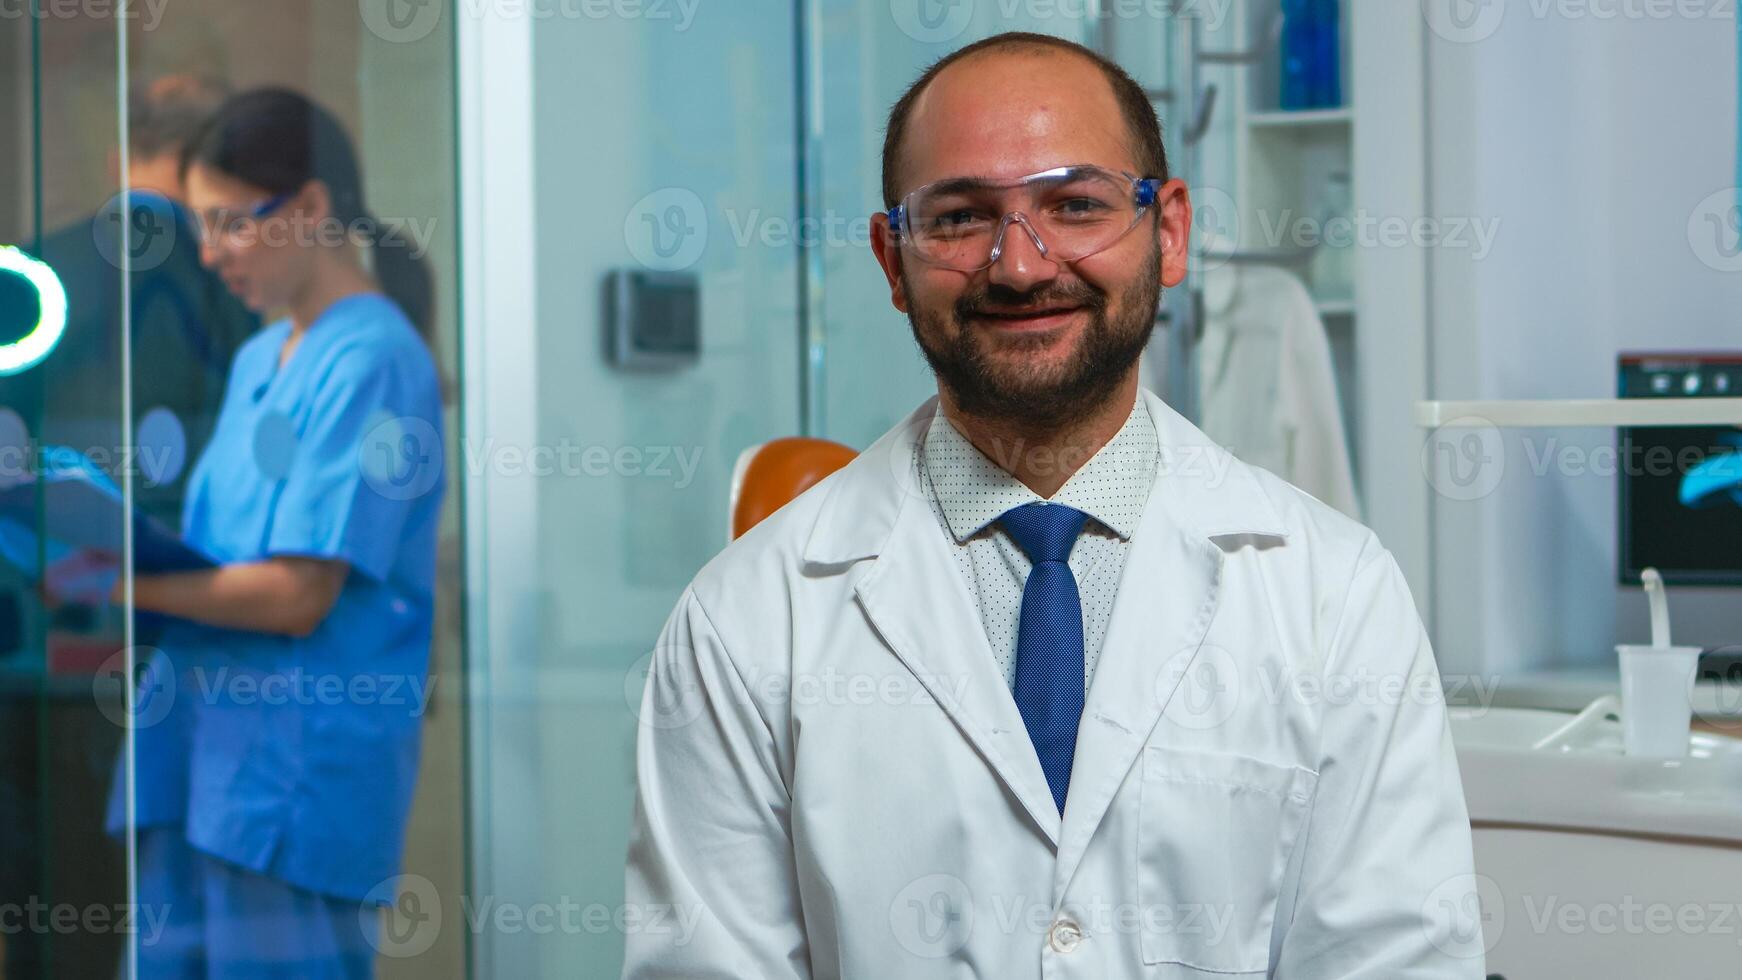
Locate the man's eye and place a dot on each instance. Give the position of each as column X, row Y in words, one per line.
column 957, row 221
column 1081, row 207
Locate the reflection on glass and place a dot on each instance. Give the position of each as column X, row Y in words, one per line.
column 125, row 404
column 271, row 791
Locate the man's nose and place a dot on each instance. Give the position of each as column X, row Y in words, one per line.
column 1021, row 264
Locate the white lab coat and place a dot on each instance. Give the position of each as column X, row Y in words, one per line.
column 1268, row 383
column 834, row 780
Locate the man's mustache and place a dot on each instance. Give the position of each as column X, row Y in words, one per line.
column 1006, row 300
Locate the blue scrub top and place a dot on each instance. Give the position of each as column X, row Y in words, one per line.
column 296, row 756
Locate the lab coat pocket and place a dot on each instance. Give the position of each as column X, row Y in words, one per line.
column 1214, row 835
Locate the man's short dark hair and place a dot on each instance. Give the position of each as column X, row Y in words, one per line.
column 1134, row 104
column 165, row 114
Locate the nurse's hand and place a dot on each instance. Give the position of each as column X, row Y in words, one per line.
column 84, row 577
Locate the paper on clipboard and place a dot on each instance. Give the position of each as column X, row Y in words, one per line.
column 77, row 507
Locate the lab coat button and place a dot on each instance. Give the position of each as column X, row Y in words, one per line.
column 1064, row 936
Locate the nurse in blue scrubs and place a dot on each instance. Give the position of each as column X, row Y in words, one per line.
column 277, row 728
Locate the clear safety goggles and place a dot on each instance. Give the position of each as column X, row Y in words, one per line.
column 1068, row 212
column 239, row 225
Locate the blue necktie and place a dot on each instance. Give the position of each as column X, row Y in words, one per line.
column 1049, row 638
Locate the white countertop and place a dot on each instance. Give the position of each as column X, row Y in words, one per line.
column 1571, row 688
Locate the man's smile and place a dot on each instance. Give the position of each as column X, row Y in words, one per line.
column 1027, row 319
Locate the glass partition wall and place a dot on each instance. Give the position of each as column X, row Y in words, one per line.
column 123, row 312
column 722, row 162
column 60, row 280
column 718, row 163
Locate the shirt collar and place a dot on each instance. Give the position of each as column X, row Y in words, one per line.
column 973, row 490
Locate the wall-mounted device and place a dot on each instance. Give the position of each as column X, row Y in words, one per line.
column 33, row 310
column 652, row 319
column 1681, row 487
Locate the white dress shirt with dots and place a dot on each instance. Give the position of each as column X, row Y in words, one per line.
column 969, row 492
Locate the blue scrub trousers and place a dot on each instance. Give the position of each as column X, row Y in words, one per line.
column 218, row 920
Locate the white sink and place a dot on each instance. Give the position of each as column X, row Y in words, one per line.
column 1577, row 845
column 1514, row 773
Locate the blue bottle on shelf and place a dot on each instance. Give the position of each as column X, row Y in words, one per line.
column 1311, row 54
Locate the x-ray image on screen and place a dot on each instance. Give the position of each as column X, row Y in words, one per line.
column 1681, row 487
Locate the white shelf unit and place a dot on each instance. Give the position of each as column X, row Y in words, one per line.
column 1300, row 120
column 1254, row 156
column 1285, row 158
column 1283, row 161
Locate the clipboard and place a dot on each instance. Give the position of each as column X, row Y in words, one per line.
column 77, row 506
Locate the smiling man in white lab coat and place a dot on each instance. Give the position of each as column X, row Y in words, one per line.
column 1045, row 683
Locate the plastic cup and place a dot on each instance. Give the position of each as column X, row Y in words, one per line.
column 1657, row 699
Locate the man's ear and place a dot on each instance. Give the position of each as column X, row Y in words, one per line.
column 1173, row 204
column 888, row 251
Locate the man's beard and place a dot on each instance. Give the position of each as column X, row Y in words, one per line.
column 1045, row 400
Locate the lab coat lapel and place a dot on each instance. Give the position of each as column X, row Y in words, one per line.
column 1167, row 597
column 923, row 610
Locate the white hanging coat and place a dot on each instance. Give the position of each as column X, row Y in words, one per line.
column 834, row 780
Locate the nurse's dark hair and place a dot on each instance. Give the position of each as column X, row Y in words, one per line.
column 1143, row 128
column 280, row 140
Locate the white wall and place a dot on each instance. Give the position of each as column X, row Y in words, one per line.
column 1591, row 141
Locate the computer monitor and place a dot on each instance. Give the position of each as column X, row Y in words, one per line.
column 1681, row 486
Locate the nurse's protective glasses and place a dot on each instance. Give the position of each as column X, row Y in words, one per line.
column 1068, row 212
column 237, row 225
